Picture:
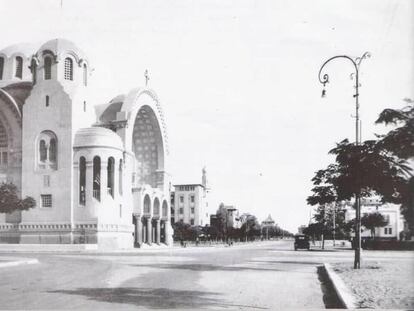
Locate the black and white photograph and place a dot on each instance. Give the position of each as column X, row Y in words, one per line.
column 206, row 154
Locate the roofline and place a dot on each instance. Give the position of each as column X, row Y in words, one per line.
column 189, row 185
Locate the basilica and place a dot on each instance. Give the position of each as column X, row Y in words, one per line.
column 98, row 173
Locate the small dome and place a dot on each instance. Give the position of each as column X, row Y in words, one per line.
column 59, row 46
column 107, row 112
column 97, row 137
column 27, row 49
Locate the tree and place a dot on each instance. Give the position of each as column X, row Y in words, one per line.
column 400, row 142
column 372, row 221
column 10, row 201
column 251, row 227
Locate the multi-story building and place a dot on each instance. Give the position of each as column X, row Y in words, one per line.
column 391, row 213
column 190, row 203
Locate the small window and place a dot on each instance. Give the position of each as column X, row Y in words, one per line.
column 46, row 200
column 192, row 210
column 48, row 68
column 68, row 69
column 192, row 221
column 181, row 211
column 192, row 199
column 19, row 67
column 120, row 210
column 1, row 67
column 389, row 230
column 46, row 180
column 47, row 100
column 84, row 106
column 181, row 199
column 385, row 230
column 85, row 75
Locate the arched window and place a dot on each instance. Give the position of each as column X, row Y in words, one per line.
column 47, row 150
column 111, row 174
column 68, row 69
column 48, row 68
column 97, row 178
column 3, row 146
column 85, row 75
column 156, row 207
column 164, row 209
column 19, row 67
column 1, row 67
column 82, row 180
column 33, row 67
column 147, row 204
column 120, row 177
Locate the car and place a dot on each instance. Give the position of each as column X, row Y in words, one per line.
column 301, row 242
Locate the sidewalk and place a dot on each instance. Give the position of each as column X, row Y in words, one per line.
column 12, row 261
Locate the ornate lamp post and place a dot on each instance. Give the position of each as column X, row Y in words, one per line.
column 324, row 79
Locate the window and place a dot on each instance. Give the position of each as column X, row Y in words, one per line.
column 85, row 75
column 19, row 67
column 164, row 209
column 147, row 204
column 192, row 210
column 385, row 230
column 120, row 177
column 192, row 221
column 181, row 199
column 46, row 200
column 47, row 150
column 48, row 68
column 120, row 210
column 68, row 69
column 33, row 67
column 192, row 199
column 84, row 106
column 156, row 207
column 3, row 158
column 181, row 211
column 111, row 176
column 46, row 181
column 389, row 230
column 96, row 178
column 47, row 100
column 1, row 67
column 82, row 181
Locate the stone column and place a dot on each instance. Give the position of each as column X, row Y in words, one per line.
column 139, row 230
column 168, row 233
column 104, row 180
column 149, row 231
column 158, row 231
column 88, row 184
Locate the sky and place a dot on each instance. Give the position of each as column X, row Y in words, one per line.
column 238, row 81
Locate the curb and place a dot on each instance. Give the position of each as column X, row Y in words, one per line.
column 346, row 297
column 18, row 263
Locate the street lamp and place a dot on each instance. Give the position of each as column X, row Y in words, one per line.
column 324, row 79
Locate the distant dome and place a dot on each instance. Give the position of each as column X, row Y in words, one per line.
column 59, row 46
column 97, row 137
column 26, row 49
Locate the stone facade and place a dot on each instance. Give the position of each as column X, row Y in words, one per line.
column 98, row 173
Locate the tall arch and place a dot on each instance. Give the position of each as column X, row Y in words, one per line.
column 148, row 147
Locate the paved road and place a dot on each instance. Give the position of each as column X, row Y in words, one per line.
column 254, row 276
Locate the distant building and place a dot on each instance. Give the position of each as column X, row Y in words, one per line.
column 189, row 203
column 391, row 213
column 268, row 222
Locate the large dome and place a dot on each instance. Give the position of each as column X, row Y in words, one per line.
column 59, row 46
column 27, row 49
column 97, row 137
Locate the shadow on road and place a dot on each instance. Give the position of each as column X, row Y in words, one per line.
column 149, row 298
column 205, row 267
column 330, row 298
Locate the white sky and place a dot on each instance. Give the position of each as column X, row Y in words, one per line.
column 238, row 81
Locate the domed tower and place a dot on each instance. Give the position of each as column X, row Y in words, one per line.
column 57, row 107
column 15, row 63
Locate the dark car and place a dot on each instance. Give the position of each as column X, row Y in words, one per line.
column 301, row 242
